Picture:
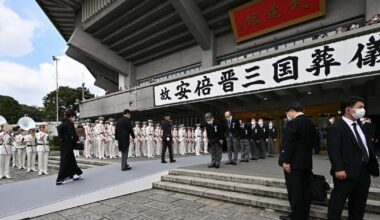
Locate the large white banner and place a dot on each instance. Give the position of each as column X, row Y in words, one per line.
column 358, row 56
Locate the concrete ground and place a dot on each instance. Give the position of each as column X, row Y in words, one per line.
column 21, row 175
column 158, row 204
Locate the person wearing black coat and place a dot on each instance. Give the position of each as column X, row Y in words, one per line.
column 261, row 138
column 296, row 160
column 231, row 128
column 68, row 168
column 167, row 138
column 272, row 138
column 352, row 159
column 123, row 132
column 245, row 133
column 214, row 131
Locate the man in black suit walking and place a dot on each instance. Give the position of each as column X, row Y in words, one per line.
column 352, row 161
column 123, row 132
column 296, row 160
column 167, row 138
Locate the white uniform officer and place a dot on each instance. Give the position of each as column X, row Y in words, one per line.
column 21, row 150
column 198, row 139
column 182, row 139
column 89, row 139
column 100, row 138
column 43, row 150
column 149, row 132
column 5, row 150
column 158, row 139
column 144, row 149
column 175, row 139
column 111, row 138
column 205, row 142
column 137, row 141
column 31, row 150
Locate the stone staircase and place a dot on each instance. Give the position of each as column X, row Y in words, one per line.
column 53, row 162
column 262, row 192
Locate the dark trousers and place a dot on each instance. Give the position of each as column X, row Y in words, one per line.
column 124, row 159
column 68, row 165
column 298, row 187
column 262, row 149
column 166, row 145
column 253, row 150
column 216, row 152
column 356, row 191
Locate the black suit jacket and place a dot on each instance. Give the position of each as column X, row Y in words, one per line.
column 123, row 132
column 345, row 153
column 234, row 128
column 166, row 130
column 297, row 143
column 214, row 131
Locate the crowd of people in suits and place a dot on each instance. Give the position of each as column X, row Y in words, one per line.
column 351, row 151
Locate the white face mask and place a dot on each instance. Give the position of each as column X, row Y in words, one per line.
column 101, row 122
column 260, row 123
column 288, row 117
column 331, row 121
column 270, row 125
column 253, row 122
column 359, row 113
column 72, row 119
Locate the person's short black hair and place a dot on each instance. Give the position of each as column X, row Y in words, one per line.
column 126, row 111
column 295, row 106
column 69, row 113
column 349, row 102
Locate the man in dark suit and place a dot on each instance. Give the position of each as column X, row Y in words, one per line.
column 123, row 132
column 352, row 161
column 296, row 160
column 167, row 138
column 215, row 136
column 231, row 134
column 261, row 138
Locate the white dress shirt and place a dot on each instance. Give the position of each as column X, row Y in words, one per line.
column 360, row 131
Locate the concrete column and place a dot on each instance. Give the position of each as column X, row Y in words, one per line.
column 209, row 55
column 128, row 81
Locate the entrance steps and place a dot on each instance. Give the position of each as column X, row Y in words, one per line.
column 262, row 192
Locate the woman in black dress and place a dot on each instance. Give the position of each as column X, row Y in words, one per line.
column 68, row 168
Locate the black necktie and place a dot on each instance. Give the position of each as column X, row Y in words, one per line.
column 361, row 144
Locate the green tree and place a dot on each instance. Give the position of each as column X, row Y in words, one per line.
column 68, row 98
column 33, row 112
column 10, row 109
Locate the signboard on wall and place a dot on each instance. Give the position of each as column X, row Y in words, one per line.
column 353, row 57
column 259, row 17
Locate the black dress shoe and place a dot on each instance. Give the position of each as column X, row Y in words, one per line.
column 211, row 166
column 247, row 161
column 172, row 161
column 229, row 163
column 217, row 167
column 233, row 163
column 242, row 160
column 163, row 161
column 127, row 168
column 253, row 158
column 285, row 217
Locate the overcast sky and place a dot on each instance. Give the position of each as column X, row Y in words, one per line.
column 27, row 43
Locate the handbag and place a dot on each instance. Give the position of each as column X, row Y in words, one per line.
column 78, row 146
column 318, row 187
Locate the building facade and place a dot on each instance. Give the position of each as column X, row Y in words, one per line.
column 139, row 49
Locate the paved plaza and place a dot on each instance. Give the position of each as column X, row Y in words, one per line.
column 158, row 204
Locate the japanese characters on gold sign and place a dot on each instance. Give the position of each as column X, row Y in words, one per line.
column 259, row 17
column 358, row 56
